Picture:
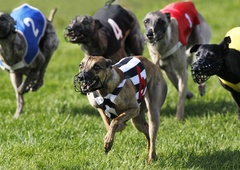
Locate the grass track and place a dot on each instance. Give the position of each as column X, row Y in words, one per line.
column 60, row 130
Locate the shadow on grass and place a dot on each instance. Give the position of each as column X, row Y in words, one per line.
column 224, row 159
column 85, row 109
column 201, row 108
column 192, row 109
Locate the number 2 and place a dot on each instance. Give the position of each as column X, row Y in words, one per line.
column 29, row 22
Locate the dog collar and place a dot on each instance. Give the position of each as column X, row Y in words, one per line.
column 16, row 66
column 235, row 87
column 172, row 50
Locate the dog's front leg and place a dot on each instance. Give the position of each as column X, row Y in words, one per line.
column 114, row 127
column 16, row 79
column 29, row 82
column 105, row 119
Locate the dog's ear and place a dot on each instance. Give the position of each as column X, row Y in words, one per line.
column 168, row 15
column 225, row 42
column 108, row 63
column 194, row 48
column 98, row 24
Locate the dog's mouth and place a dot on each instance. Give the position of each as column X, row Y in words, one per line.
column 198, row 77
column 152, row 37
column 202, row 70
column 73, row 36
column 86, row 84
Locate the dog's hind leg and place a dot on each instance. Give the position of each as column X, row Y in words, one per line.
column 154, row 100
column 140, row 123
column 178, row 75
column 48, row 45
column 174, row 80
column 16, row 79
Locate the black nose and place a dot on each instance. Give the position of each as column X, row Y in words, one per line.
column 149, row 33
column 81, row 76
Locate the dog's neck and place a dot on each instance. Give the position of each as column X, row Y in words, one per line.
column 95, row 45
column 169, row 44
column 111, row 81
column 12, row 49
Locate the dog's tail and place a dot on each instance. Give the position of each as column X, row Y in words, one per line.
column 109, row 2
column 52, row 13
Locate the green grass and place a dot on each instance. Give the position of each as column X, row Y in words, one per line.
column 60, row 130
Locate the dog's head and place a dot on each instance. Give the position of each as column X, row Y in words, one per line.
column 210, row 58
column 7, row 25
column 155, row 24
column 81, row 29
column 93, row 73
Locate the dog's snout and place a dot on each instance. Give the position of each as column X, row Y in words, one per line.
column 150, row 32
column 194, row 66
column 80, row 76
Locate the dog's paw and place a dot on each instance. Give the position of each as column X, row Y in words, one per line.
column 108, row 143
column 189, row 95
column 152, row 157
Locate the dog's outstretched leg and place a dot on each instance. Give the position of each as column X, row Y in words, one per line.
column 16, row 79
column 154, row 101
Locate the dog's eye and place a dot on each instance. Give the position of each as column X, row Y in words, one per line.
column 80, row 66
column 210, row 56
column 85, row 21
column 197, row 54
column 96, row 67
column 146, row 21
column 160, row 22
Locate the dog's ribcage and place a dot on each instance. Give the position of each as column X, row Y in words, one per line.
column 132, row 69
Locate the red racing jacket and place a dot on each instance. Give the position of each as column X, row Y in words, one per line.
column 186, row 15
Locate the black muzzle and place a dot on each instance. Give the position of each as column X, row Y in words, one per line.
column 86, row 82
column 202, row 70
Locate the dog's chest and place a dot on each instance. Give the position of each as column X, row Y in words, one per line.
column 132, row 69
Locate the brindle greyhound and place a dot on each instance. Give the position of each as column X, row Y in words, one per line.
column 17, row 55
column 112, row 32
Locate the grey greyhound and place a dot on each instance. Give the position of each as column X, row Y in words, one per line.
column 169, row 33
